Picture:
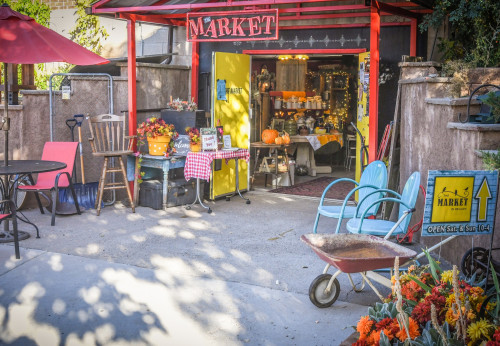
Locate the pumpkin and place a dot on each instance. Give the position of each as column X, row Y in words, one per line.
column 278, row 140
column 286, row 138
column 268, row 136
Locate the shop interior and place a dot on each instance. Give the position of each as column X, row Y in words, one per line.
column 308, row 94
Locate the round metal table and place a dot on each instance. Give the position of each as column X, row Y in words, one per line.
column 15, row 171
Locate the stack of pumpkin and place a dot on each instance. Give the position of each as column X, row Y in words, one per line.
column 270, row 136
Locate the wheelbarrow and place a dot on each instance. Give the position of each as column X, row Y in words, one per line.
column 356, row 253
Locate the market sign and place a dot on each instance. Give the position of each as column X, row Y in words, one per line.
column 232, row 26
column 460, row 203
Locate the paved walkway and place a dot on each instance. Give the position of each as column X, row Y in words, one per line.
column 237, row 276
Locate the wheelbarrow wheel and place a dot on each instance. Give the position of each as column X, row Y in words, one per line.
column 317, row 291
column 475, row 261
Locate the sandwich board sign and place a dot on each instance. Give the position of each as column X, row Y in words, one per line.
column 460, row 203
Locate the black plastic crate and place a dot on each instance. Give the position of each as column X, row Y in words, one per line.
column 180, row 192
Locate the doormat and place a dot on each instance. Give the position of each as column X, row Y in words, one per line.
column 315, row 188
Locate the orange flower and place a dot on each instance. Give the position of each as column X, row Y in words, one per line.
column 374, row 338
column 414, row 332
column 364, row 327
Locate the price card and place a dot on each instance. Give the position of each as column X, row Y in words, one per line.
column 227, row 141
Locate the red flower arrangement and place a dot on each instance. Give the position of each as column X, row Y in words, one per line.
column 154, row 127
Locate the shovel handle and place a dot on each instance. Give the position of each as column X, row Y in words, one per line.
column 79, row 119
column 81, row 153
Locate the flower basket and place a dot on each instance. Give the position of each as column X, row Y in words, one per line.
column 195, row 147
column 158, row 145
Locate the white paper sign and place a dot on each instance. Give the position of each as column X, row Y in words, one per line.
column 227, row 141
column 209, row 142
column 66, row 92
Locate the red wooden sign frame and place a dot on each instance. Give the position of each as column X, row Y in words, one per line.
column 227, row 26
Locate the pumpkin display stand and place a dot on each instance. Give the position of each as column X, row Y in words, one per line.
column 158, row 145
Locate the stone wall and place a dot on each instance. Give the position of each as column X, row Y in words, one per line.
column 432, row 138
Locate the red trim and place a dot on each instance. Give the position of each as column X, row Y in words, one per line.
column 158, row 19
column 132, row 79
column 413, row 38
column 374, row 75
column 382, row 6
column 195, row 70
column 304, row 51
column 337, row 26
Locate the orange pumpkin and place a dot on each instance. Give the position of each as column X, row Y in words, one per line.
column 268, row 136
column 278, row 140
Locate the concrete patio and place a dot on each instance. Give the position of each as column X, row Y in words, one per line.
column 237, row 276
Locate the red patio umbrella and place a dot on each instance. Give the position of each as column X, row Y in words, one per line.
column 24, row 41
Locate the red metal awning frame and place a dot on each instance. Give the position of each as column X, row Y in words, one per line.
column 164, row 13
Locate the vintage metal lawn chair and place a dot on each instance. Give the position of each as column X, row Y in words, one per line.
column 373, row 179
column 407, row 200
column 53, row 181
column 108, row 140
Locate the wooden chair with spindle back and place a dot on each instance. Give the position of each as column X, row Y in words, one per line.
column 108, row 140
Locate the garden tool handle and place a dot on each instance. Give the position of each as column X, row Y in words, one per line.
column 81, row 153
column 71, row 123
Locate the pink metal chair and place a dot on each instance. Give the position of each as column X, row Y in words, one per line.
column 9, row 212
column 53, row 181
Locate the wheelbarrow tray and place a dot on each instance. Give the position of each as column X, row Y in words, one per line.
column 354, row 253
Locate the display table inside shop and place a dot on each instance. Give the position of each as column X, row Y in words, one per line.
column 199, row 165
column 265, row 168
column 306, row 145
column 160, row 162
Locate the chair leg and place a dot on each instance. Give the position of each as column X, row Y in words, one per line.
column 54, row 203
column 39, row 202
column 16, row 235
column 73, row 193
column 102, row 182
column 315, row 227
column 124, row 175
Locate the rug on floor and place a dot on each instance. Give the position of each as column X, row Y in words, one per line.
column 315, row 188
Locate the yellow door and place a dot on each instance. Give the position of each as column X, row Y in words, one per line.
column 362, row 113
column 231, row 112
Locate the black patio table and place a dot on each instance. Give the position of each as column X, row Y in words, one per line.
column 14, row 172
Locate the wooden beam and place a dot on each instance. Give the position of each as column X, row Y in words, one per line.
column 195, row 70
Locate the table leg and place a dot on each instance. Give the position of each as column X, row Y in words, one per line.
column 165, row 188
column 198, row 198
column 137, row 172
column 254, row 167
column 236, row 167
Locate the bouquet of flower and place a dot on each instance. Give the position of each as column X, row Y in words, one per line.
column 180, row 105
column 194, row 134
column 430, row 306
column 154, row 127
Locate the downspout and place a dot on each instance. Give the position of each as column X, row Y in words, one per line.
column 170, row 44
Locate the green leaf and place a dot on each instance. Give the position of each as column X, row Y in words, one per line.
column 434, row 266
column 420, row 283
column 412, row 303
column 497, row 288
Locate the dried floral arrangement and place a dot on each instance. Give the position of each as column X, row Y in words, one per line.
column 180, row 105
column 194, row 134
column 429, row 306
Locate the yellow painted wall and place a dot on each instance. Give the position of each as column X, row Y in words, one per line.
column 362, row 112
column 233, row 115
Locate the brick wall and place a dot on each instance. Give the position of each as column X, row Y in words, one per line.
column 60, row 4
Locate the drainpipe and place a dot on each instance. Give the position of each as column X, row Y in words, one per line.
column 170, row 45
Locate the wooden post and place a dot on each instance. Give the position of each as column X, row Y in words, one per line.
column 374, row 75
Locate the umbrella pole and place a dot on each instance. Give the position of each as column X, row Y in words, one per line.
column 5, row 120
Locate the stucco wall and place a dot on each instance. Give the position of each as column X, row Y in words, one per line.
column 432, row 138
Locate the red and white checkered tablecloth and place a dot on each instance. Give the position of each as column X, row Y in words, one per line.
column 199, row 165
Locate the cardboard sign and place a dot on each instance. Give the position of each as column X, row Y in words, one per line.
column 208, row 138
column 182, row 145
column 460, row 203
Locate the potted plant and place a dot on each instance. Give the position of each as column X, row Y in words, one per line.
column 194, row 138
column 159, row 136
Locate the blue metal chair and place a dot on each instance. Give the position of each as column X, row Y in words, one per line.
column 373, row 179
column 407, row 200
